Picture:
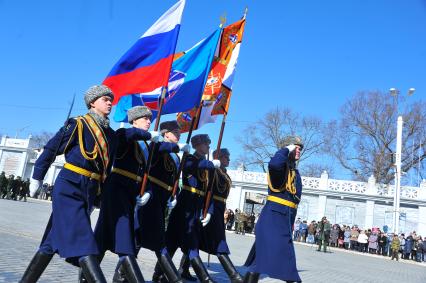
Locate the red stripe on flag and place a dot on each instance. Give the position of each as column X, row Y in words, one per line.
column 144, row 79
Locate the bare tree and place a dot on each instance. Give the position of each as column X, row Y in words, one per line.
column 40, row 139
column 261, row 141
column 316, row 169
column 363, row 139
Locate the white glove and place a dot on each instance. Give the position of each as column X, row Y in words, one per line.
column 156, row 137
column 184, row 147
column 171, row 203
column 291, row 147
column 206, row 220
column 216, row 163
column 34, row 185
column 142, row 200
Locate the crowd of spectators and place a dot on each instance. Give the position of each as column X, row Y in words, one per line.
column 240, row 221
column 373, row 241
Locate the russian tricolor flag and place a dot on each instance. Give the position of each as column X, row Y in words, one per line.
column 146, row 65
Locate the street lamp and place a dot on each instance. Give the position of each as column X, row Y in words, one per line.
column 397, row 197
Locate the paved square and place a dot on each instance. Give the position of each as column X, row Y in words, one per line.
column 22, row 225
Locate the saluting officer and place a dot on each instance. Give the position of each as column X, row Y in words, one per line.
column 213, row 234
column 115, row 227
column 273, row 251
column 89, row 145
column 184, row 226
column 163, row 172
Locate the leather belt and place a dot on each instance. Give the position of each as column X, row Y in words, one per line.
column 282, row 201
column 84, row 172
column 218, row 198
column 193, row 190
column 160, row 183
column 127, row 174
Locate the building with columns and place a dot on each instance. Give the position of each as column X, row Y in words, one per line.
column 366, row 204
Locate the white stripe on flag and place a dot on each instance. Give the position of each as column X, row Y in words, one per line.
column 206, row 114
column 228, row 78
column 168, row 21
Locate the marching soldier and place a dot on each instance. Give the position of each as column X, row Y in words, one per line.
column 25, row 189
column 3, row 184
column 273, row 251
column 88, row 144
column 164, row 168
column 213, row 234
column 115, row 227
column 16, row 188
column 9, row 187
column 184, row 223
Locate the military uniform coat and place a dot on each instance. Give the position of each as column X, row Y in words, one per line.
column 69, row 232
column 213, row 235
column 115, row 227
column 165, row 163
column 184, row 225
column 273, row 252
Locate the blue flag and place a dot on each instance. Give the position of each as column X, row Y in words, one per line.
column 186, row 82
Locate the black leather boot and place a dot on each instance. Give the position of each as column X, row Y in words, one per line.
column 91, row 269
column 36, row 267
column 131, row 270
column 158, row 275
column 184, row 269
column 201, row 270
column 169, row 269
column 251, row 277
column 81, row 278
column 230, row 269
column 119, row 276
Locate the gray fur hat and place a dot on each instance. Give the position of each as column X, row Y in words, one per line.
column 169, row 126
column 96, row 91
column 199, row 139
column 138, row 112
column 223, row 152
column 292, row 140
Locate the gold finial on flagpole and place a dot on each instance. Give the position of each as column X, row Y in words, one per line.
column 223, row 19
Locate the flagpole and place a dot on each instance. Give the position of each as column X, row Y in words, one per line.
column 151, row 149
column 219, row 142
column 188, row 139
column 194, row 125
column 215, row 156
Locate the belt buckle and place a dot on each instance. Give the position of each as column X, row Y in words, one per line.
column 138, row 179
column 93, row 175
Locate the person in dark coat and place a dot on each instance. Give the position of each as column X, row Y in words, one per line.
column 9, row 188
column 115, row 227
column 88, row 144
column 151, row 233
column 383, row 241
column 324, row 231
column 25, row 189
column 273, row 252
column 186, row 218
column 213, row 234
column 3, row 184
column 409, row 241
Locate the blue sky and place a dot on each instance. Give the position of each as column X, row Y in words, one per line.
column 310, row 56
